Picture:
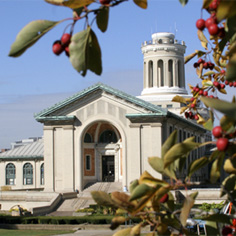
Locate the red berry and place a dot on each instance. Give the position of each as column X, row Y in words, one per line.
column 164, row 198
column 196, row 117
column 65, row 39
column 205, row 65
column 226, row 82
column 217, row 131
column 186, row 114
column 200, row 24
column 193, row 105
column 226, row 230
column 195, row 65
column 234, row 83
column 200, row 60
column 213, row 6
column 213, row 29
column 192, row 99
column 205, row 93
column 231, row 84
column 200, row 92
column 222, row 86
column 216, row 84
column 210, row 21
column 222, row 144
column 105, row 2
column 57, row 48
column 222, row 71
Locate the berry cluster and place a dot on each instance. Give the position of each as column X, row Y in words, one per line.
column 206, row 65
column 211, row 23
column 62, row 45
column 222, row 137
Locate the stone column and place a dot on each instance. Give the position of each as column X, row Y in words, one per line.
column 49, row 159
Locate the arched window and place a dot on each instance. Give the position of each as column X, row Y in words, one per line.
column 88, row 138
column 108, row 136
column 150, row 74
column 170, row 73
column 160, row 74
column 10, row 174
column 27, row 174
column 42, row 174
column 180, row 75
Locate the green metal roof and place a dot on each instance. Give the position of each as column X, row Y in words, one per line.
column 30, row 151
column 99, row 86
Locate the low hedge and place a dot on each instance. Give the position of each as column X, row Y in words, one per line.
column 94, row 219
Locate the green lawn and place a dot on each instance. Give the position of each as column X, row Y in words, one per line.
column 11, row 232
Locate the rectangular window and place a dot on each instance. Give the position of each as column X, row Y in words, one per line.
column 169, row 106
column 88, row 162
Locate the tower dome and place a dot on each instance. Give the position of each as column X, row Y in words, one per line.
column 163, row 71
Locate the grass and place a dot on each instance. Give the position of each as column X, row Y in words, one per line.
column 16, row 232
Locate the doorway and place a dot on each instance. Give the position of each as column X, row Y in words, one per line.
column 108, row 169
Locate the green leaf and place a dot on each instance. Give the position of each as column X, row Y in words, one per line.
column 227, row 124
column 140, row 191
column 148, row 179
column 183, row 2
column 209, row 124
column 227, row 108
column 141, row 3
column 117, row 221
column 179, row 150
column 73, row 4
column 133, row 185
column 226, row 9
column 189, row 57
column 180, row 99
column 202, row 38
column 206, row 3
column 156, row 163
column 85, row 53
column 216, row 168
column 29, row 35
column 219, row 218
column 102, row 198
column 229, row 34
column 123, row 232
column 196, row 165
column 229, row 184
column 102, row 18
column 230, row 166
column 188, row 204
column 231, row 71
column 171, row 141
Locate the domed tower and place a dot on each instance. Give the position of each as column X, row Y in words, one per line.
column 163, row 71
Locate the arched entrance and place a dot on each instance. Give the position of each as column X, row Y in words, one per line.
column 102, row 153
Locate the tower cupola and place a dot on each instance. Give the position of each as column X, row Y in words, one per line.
column 163, row 68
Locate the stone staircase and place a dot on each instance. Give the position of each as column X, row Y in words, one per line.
column 84, row 199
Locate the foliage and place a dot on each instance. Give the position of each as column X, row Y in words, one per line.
column 213, row 206
column 83, row 49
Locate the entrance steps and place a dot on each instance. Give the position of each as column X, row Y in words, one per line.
column 84, row 199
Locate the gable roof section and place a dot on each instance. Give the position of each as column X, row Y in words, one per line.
column 34, row 151
column 99, row 86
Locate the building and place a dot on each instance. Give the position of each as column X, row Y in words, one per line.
column 103, row 134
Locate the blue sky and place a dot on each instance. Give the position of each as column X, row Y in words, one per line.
column 38, row 78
